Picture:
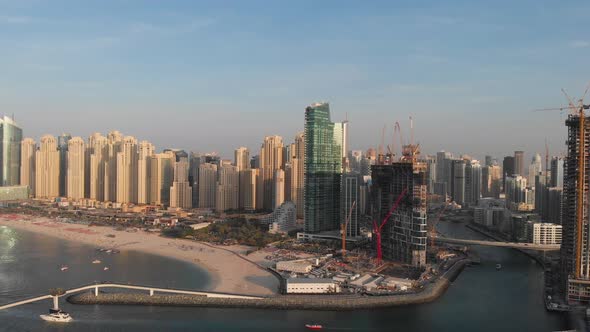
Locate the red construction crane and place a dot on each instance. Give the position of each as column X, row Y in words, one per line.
column 344, row 227
column 377, row 228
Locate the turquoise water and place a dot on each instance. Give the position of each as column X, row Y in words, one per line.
column 481, row 299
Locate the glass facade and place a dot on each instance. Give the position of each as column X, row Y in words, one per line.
column 11, row 135
column 62, row 146
column 322, row 167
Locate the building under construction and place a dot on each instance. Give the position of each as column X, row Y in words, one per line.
column 403, row 237
column 575, row 247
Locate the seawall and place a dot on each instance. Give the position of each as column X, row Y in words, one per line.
column 430, row 293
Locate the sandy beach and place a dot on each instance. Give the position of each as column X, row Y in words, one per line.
column 229, row 272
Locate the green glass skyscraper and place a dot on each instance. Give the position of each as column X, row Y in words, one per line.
column 11, row 135
column 323, row 167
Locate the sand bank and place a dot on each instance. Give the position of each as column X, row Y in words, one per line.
column 229, row 272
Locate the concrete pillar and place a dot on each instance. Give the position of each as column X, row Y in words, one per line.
column 96, row 291
column 55, row 302
column 151, row 292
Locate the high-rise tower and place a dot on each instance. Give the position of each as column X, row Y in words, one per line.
column 404, row 235
column 127, row 171
column 271, row 160
column 145, row 151
column 47, row 168
column 161, row 176
column 27, row 167
column 297, row 173
column 98, row 152
column 575, row 248
column 62, row 146
column 75, row 178
column 519, row 163
column 323, row 168
column 11, row 135
column 242, row 158
column 181, row 192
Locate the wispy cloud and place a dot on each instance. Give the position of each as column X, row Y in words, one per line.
column 44, row 67
column 579, row 44
column 191, row 26
column 5, row 19
column 437, row 20
column 73, row 45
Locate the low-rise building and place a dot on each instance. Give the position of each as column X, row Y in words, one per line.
column 398, row 283
column 283, row 219
column 12, row 193
column 544, row 233
column 311, row 286
column 298, row 266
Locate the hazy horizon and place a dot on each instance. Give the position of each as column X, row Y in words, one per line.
column 212, row 77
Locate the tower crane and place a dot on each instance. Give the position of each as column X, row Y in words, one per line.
column 380, row 155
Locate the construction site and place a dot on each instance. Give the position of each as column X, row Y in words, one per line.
column 391, row 255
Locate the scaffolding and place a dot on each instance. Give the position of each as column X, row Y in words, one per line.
column 575, row 249
column 404, row 236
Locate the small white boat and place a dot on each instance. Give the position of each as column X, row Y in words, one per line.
column 64, row 268
column 96, row 261
column 106, row 268
column 57, row 315
column 498, row 266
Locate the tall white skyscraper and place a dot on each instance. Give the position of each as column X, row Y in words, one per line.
column 27, row 167
column 271, row 159
column 181, row 192
column 114, row 142
column 98, row 152
column 248, row 187
column 242, row 158
column 145, row 151
column 535, row 168
column 127, row 171
column 207, row 185
column 161, row 177
column 227, row 189
column 279, row 191
column 75, row 179
column 47, row 168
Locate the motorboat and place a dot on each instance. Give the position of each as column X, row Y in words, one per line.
column 64, row 268
column 498, row 266
column 96, row 261
column 106, row 268
column 313, row 326
column 57, row 315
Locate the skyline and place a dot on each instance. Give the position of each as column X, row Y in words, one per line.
column 204, row 77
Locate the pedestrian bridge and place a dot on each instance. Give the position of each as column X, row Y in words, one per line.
column 150, row 289
column 515, row 245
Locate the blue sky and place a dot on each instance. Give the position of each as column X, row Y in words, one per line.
column 215, row 75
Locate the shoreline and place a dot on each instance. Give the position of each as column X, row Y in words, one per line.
column 430, row 293
column 228, row 272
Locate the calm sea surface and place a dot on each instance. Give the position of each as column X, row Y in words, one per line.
column 481, row 299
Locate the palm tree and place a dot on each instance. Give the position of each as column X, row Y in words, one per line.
column 56, row 291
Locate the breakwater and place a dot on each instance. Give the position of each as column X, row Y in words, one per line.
column 300, row 302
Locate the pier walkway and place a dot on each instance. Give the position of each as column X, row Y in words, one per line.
column 150, row 289
column 515, row 245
